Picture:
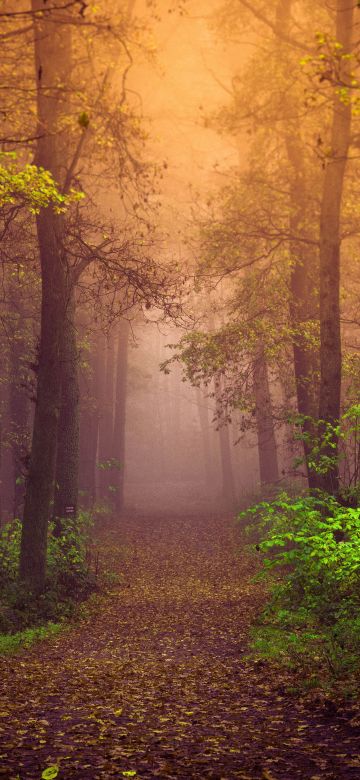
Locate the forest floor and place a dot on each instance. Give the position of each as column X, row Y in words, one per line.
column 155, row 682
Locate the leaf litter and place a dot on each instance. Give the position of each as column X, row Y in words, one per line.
column 156, row 682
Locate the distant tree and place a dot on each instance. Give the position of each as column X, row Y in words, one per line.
column 118, row 434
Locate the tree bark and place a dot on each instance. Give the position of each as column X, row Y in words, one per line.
column 304, row 307
column 330, row 240
column 51, row 62
column 304, row 271
column 40, row 485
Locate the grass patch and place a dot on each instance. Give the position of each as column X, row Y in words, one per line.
column 13, row 643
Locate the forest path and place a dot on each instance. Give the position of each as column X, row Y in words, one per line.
column 157, row 685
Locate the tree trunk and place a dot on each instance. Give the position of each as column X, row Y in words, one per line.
column 19, row 422
column 67, row 457
column 228, row 484
column 40, row 485
column 304, row 309
column 18, row 402
column 7, row 493
column 106, row 426
column 268, row 460
column 51, row 62
column 330, row 240
column 89, row 432
column 205, row 438
column 172, row 429
column 120, row 413
column 304, row 272
column 1, row 467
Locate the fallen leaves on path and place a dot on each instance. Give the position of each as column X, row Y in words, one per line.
column 157, row 683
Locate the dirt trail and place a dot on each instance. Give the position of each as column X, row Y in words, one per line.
column 158, row 685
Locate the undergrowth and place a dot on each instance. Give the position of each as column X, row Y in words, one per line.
column 11, row 643
column 71, row 577
column 310, row 553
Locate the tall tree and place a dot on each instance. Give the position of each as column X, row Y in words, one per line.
column 303, row 249
column 122, row 265
column 330, row 240
column 52, row 44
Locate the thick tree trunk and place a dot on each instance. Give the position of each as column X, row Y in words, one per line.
column 330, row 240
column 40, row 485
column 304, row 272
column 304, row 309
column 120, row 413
column 51, row 62
column 268, row 460
column 67, row 457
column 306, row 366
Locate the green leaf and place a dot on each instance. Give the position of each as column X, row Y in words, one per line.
column 50, row 772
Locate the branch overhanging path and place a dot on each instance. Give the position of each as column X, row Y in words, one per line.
column 156, row 682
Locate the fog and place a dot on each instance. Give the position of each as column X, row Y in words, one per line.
column 173, row 458
column 195, row 185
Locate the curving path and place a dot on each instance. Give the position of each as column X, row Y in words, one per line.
column 156, row 683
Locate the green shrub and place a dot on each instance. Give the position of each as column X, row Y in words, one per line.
column 69, row 578
column 310, row 551
column 332, row 446
column 9, row 552
column 68, row 572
